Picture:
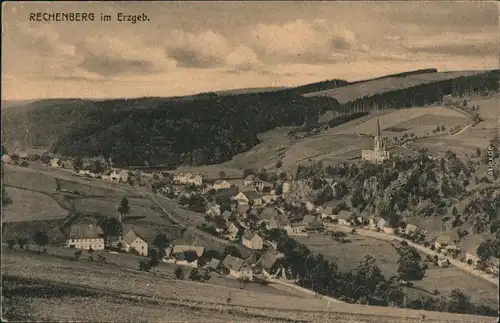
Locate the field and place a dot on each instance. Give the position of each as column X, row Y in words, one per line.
column 40, row 207
column 28, row 178
column 122, row 294
column 346, row 255
column 415, row 120
column 488, row 107
column 353, row 92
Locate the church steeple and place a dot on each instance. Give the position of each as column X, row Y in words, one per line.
column 378, row 128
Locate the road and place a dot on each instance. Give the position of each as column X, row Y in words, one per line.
column 454, row 262
column 462, row 130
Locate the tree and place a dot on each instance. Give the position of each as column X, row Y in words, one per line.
column 78, row 164
column 10, row 244
column 123, row 208
column 112, row 227
column 24, row 163
column 154, row 258
column 367, row 276
column 96, row 167
column 22, row 242
column 41, row 239
column 161, row 241
column 409, row 267
column 179, row 273
column 78, row 254
column 91, row 252
column 279, row 163
column 222, row 174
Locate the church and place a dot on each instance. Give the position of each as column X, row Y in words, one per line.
column 379, row 153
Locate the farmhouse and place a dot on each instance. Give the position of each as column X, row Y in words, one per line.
column 56, row 162
column 232, row 232
column 188, row 178
column 131, row 241
column 248, row 197
column 252, row 240
column 184, row 255
column 296, row 229
column 86, row 236
column 249, row 180
column 411, row 229
column 344, row 217
column 238, row 268
column 220, row 184
column 327, row 212
column 267, row 261
column 379, row 153
column 308, row 219
column 273, row 218
column 230, row 192
column 260, row 185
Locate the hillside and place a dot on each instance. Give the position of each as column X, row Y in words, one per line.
column 33, row 290
column 210, row 128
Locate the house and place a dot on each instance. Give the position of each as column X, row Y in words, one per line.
column 411, row 229
column 249, row 180
column 443, row 263
column 188, row 178
column 229, row 192
column 376, row 223
column 226, row 215
column 267, row 261
column 287, row 187
column 296, row 229
column 85, row 236
column 106, row 175
column 185, row 255
column 212, row 265
column 56, row 162
column 131, row 241
column 242, row 210
column 238, row 268
column 220, row 184
column 308, row 219
column 232, row 232
column 252, row 240
column 316, row 225
column 327, row 212
column 274, row 218
column 344, row 217
column 442, row 241
column 248, row 197
column 213, row 210
column 260, row 185
column 6, row 159
column 309, row 206
column 268, row 198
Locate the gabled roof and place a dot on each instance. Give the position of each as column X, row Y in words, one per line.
column 252, row 195
column 85, row 231
column 316, row 224
column 130, row 237
column 411, row 228
column 308, row 218
column 269, row 213
column 327, row 210
column 183, row 248
column 230, row 192
column 226, row 214
column 212, row 264
column 233, row 263
column 248, row 235
column 268, row 259
column 250, row 178
column 344, row 214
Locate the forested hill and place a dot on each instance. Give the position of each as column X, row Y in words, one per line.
column 200, row 129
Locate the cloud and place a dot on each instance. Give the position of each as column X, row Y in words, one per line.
column 243, row 58
column 42, row 41
column 298, row 41
column 455, row 44
column 202, row 50
column 111, row 57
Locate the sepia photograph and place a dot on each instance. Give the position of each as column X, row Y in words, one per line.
column 250, row 161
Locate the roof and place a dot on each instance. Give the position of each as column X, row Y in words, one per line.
column 231, row 191
column 411, row 228
column 309, row 218
column 268, row 259
column 85, row 231
column 183, row 248
column 327, row 210
column 250, row 178
column 344, row 214
column 316, row 224
column 269, row 213
column 298, row 224
column 220, row 181
column 282, row 219
column 252, row 195
column 248, row 235
column 130, row 237
column 226, row 214
column 233, row 263
column 213, row 264
column 242, row 208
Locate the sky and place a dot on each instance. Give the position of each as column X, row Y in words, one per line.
column 192, row 47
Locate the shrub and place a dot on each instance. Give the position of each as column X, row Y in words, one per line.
column 179, row 273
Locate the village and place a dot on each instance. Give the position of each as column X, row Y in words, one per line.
column 244, row 212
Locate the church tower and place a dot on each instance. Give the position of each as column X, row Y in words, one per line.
column 378, row 143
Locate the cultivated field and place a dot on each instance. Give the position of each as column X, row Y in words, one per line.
column 31, row 206
column 117, row 293
column 460, row 145
column 398, row 122
column 28, row 178
column 489, row 107
column 101, row 206
column 346, row 255
column 353, row 92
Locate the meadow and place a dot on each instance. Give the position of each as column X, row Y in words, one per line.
column 115, row 291
column 40, row 207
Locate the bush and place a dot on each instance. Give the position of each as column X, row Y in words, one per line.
column 179, row 273
column 78, row 253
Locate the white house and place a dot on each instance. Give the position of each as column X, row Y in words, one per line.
column 249, row 180
column 287, row 187
column 56, row 162
column 232, row 232
column 245, row 198
column 131, row 241
column 296, row 229
column 85, row 236
column 188, row 178
column 376, row 223
column 184, row 255
column 252, row 241
column 220, row 184
column 238, row 268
